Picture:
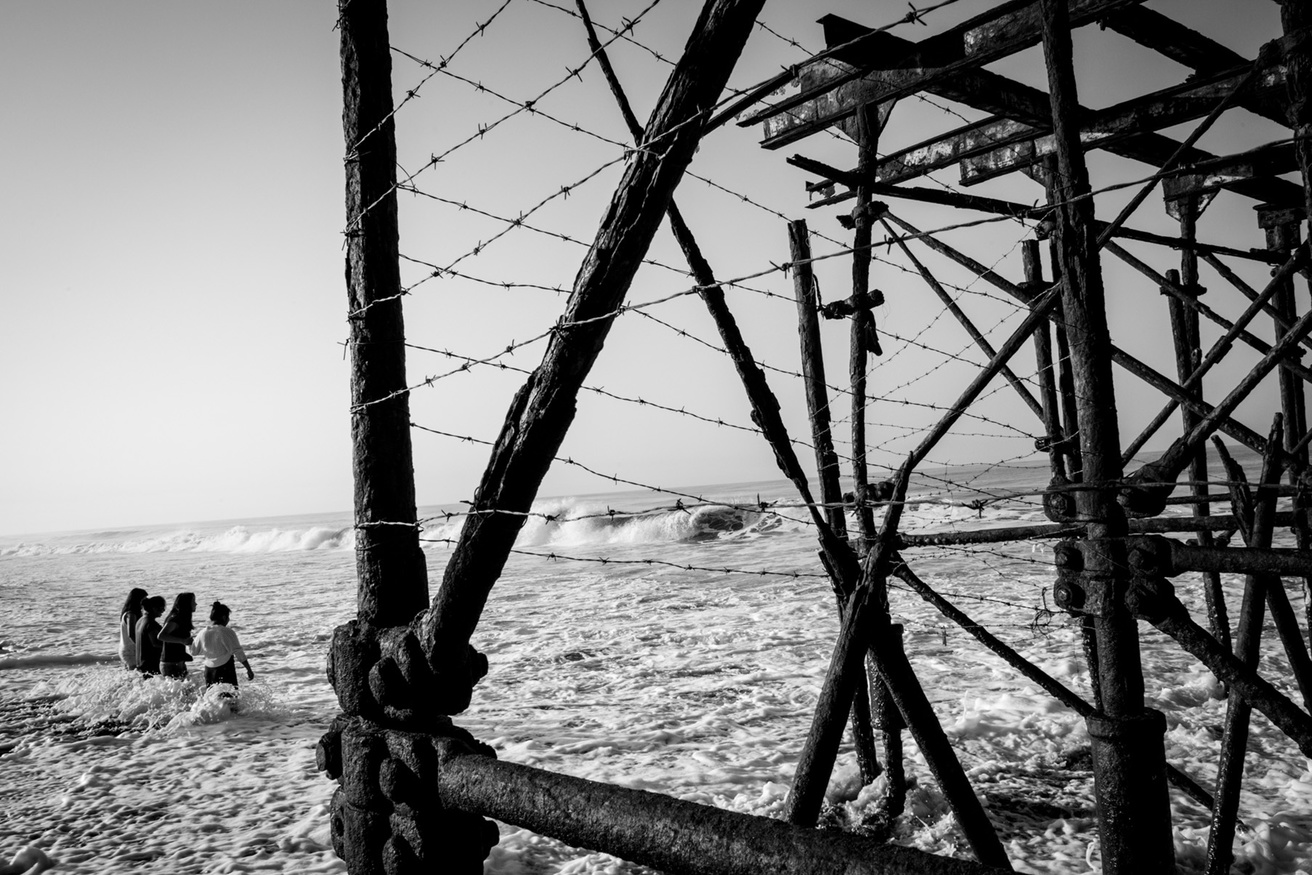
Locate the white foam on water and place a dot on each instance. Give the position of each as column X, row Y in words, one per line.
column 699, row 684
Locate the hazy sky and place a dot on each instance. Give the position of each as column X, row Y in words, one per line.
column 172, row 348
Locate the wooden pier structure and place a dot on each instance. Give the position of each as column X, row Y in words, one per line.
column 415, row 789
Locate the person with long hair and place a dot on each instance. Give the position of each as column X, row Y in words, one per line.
column 176, row 636
column 127, row 627
column 221, row 650
column 149, row 646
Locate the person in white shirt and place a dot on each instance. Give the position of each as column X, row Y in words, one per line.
column 221, row 650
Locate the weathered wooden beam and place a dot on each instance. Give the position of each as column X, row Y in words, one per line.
column 1134, row 818
column 813, row 372
column 674, row 836
column 919, row 716
column 1191, row 303
column 1155, row 477
column 393, row 578
column 1234, row 738
column 987, row 141
column 999, row 207
column 1155, row 525
column 826, row 460
column 1160, row 382
column 543, row 409
column 1001, row 96
column 765, row 407
column 1002, row 31
column 1103, row 128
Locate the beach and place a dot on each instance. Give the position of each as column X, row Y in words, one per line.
column 688, row 662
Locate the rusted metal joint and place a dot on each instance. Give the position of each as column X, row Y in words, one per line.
column 1058, row 501
column 411, row 685
column 1145, row 491
column 845, row 307
column 388, row 814
column 864, row 213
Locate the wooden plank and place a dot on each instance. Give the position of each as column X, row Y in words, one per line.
column 1168, row 37
column 990, row 92
column 1098, row 130
column 1002, row 31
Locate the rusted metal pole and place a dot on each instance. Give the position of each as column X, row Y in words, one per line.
column 1129, row 755
column 674, row 836
column 543, row 409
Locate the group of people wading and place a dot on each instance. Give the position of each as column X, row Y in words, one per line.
column 154, row 649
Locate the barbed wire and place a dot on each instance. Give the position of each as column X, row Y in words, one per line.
column 413, row 93
column 520, row 106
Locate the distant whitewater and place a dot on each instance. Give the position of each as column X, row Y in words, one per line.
column 675, row 643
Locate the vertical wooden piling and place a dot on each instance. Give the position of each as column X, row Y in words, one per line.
column 826, row 460
column 1054, row 436
column 813, row 373
column 1128, row 749
column 393, row 583
column 1188, row 357
column 1234, row 739
column 883, row 712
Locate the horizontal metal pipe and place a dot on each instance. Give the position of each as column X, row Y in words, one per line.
column 1222, row 523
column 677, row 837
column 1243, row 560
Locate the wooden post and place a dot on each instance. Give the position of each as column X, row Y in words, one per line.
column 816, row 762
column 1129, row 755
column 1234, row 739
column 393, row 582
column 368, row 831
column 826, row 462
column 864, row 337
column 1188, row 359
column 1053, row 436
column 813, row 373
column 1296, row 19
column 883, row 712
column 543, row 409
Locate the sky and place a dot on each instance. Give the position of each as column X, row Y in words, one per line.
column 172, row 348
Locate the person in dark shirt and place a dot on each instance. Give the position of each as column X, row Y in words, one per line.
column 149, row 646
column 176, row 637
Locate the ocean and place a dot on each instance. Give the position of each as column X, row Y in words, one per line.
column 673, row 643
